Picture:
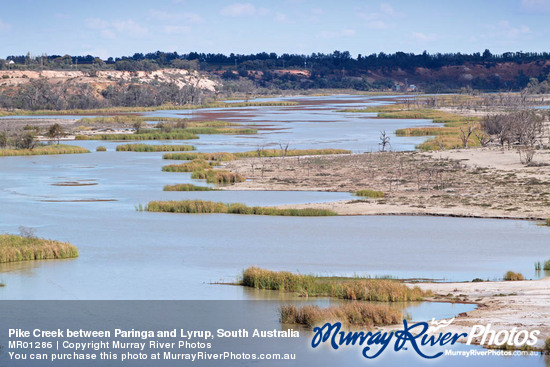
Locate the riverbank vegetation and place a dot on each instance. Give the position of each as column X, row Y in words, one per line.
column 219, row 177
column 210, row 207
column 153, row 148
column 349, row 314
column 192, row 166
column 187, row 187
column 364, row 289
column 44, row 150
column 457, row 131
column 510, row 275
column 260, row 153
column 374, row 194
column 22, row 248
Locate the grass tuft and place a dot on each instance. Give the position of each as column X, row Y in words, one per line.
column 194, row 165
column 101, row 148
column 352, row 314
column 364, row 289
column 45, row 150
column 219, row 177
column 21, row 248
column 210, row 207
column 370, row 194
column 187, row 187
column 510, row 275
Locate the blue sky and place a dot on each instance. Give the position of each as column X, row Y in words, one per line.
column 116, row 28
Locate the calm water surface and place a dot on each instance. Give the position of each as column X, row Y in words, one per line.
column 126, row 254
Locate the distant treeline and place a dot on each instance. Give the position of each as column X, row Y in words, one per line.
column 406, row 61
column 319, row 70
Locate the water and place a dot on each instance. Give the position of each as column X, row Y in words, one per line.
column 314, row 124
column 131, row 255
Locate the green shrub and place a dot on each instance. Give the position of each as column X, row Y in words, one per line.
column 510, row 275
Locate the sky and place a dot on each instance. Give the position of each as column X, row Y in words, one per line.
column 121, row 28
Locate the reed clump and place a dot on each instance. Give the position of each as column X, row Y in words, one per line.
column 370, row 194
column 22, row 248
column 218, row 157
column 210, row 207
column 510, row 275
column 187, row 187
column 45, row 150
column 220, row 177
column 363, row 289
column 101, row 148
column 192, row 166
column 224, row 156
column 154, row 148
column 351, row 314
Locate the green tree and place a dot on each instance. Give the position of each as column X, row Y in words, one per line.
column 55, row 132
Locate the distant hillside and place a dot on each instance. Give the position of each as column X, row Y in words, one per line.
column 243, row 73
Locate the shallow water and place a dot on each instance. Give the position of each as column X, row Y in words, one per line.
column 126, row 254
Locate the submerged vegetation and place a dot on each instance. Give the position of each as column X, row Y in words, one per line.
column 153, row 148
column 224, row 156
column 211, row 207
column 45, row 150
column 352, row 314
column 364, row 289
column 187, row 187
column 370, row 194
column 21, row 248
column 510, row 275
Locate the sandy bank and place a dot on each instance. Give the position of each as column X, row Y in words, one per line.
column 480, row 183
column 504, row 305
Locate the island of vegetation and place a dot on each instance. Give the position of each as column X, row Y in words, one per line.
column 23, row 248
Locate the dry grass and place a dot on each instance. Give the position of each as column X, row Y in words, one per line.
column 19, row 248
column 352, row 314
column 364, row 289
column 44, row 150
